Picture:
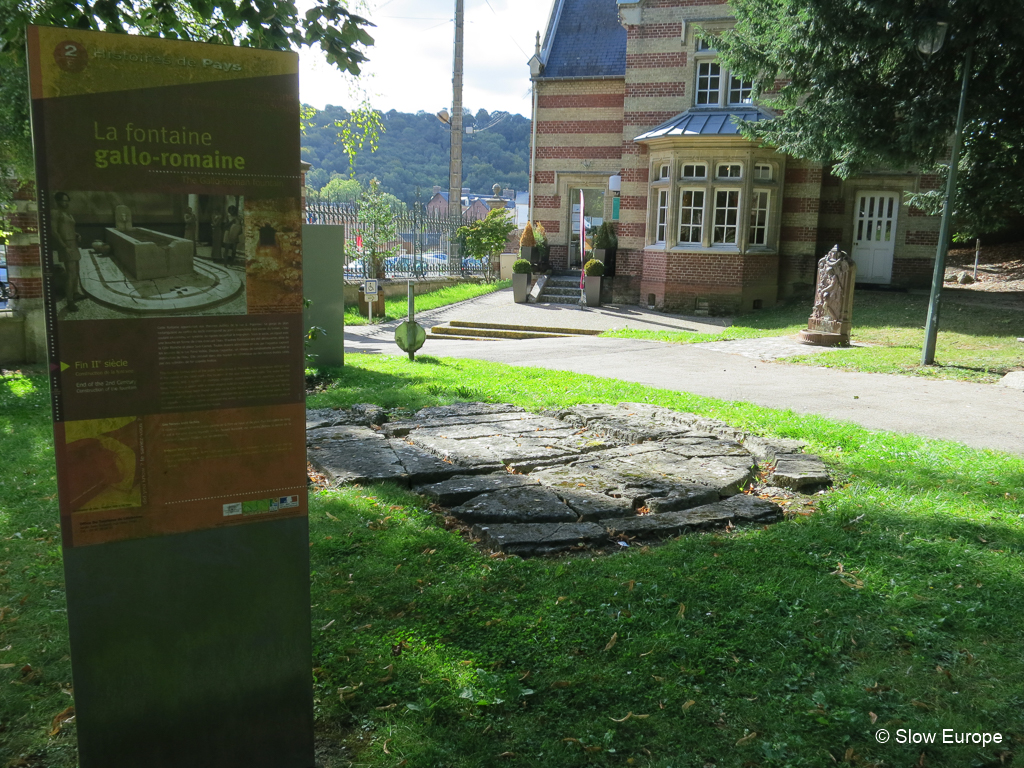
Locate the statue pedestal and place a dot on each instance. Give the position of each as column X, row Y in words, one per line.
column 823, row 338
column 830, row 320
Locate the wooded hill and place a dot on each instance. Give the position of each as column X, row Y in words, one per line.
column 414, row 152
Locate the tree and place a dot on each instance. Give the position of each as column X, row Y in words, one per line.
column 378, row 228
column 341, row 190
column 855, row 92
column 329, row 24
column 485, row 238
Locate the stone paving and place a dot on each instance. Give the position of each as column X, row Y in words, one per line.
column 586, row 476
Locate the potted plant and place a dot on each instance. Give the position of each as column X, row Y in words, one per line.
column 605, row 245
column 543, row 248
column 521, row 270
column 593, row 270
column 528, row 248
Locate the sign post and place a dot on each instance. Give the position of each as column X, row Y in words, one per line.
column 172, row 263
column 370, row 293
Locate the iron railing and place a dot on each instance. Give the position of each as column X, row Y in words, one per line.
column 425, row 243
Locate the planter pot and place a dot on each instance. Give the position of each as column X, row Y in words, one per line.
column 520, row 287
column 607, row 257
column 592, row 288
column 531, row 254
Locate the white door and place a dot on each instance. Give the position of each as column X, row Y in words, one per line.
column 874, row 236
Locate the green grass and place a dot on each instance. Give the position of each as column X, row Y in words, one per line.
column 399, row 308
column 975, row 343
column 429, row 652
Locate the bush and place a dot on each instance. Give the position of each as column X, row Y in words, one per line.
column 594, row 268
column 521, row 267
column 527, row 240
column 605, row 237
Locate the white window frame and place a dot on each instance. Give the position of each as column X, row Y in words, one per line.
column 760, row 177
column 684, row 175
column 728, row 164
column 661, row 216
column 764, row 225
column 736, row 85
column 706, row 92
column 701, row 209
column 664, row 171
column 725, row 225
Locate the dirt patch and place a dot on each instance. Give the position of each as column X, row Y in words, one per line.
column 1000, row 275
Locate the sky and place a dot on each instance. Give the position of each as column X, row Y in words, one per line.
column 410, row 67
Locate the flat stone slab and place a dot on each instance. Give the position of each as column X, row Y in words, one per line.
column 540, row 538
column 351, row 461
column 580, row 473
column 516, row 505
column 461, row 488
column 799, row 471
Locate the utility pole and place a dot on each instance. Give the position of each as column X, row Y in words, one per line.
column 455, row 164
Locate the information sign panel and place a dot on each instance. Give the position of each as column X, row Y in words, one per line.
column 170, row 228
column 370, row 287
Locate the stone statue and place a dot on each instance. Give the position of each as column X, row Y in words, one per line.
column 830, row 320
column 123, row 218
column 66, row 238
column 216, row 235
column 191, row 224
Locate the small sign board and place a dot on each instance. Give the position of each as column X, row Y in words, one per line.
column 370, row 287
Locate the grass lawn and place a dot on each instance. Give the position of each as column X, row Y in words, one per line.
column 892, row 601
column 975, row 343
column 399, row 308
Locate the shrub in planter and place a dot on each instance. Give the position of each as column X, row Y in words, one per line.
column 543, row 248
column 528, row 248
column 593, row 268
column 527, row 240
column 605, row 244
column 521, row 270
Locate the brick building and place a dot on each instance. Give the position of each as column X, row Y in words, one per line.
column 625, row 92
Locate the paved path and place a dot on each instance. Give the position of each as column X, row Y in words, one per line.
column 979, row 415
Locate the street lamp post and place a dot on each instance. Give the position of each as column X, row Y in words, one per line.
column 929, row 44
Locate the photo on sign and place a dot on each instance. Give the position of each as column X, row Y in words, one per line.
column 125, row 255
column 104, row 462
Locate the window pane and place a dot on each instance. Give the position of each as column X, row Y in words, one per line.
column 759, row 219
column 729, row 171
column 662, row 215
column 740, row 91
column 691, row 216
column 763, row 172
column 593, row 216
column 727, row 204
column 709, row 77
column 695, row 171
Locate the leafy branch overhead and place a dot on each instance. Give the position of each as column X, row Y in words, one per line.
column 854, row 91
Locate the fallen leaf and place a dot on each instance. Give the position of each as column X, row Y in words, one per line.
column 629, row 585
column 332, row 517
column 386, row 709
column 7, row 666
column 874, row 717
column 629, row 715
column 746, row 739
column 561, row 684
column 507, row 754
column 327, row 625
column 920, row 704
column 615, row 637
column 386, row 740
column 574, row 741
column 60, row 718
column 682, row 611
column 688, row 704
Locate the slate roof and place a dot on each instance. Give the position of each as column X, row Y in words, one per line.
column 584, row 39
column 707, row 122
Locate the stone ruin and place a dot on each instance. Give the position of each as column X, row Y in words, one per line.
column 586, row 476
column 146, row 254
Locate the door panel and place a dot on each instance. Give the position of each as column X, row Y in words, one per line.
column 874, row 235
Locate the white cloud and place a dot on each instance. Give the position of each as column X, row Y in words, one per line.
column 410, row 67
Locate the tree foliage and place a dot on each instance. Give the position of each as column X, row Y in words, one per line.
column 485, row 238
column 414, row 151
column 380, row 229
column 329, row 24
column 856, row 93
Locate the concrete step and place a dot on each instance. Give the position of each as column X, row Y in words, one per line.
column 533, row 328
column 491, row 333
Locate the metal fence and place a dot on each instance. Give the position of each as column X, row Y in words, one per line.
column 425, row 244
